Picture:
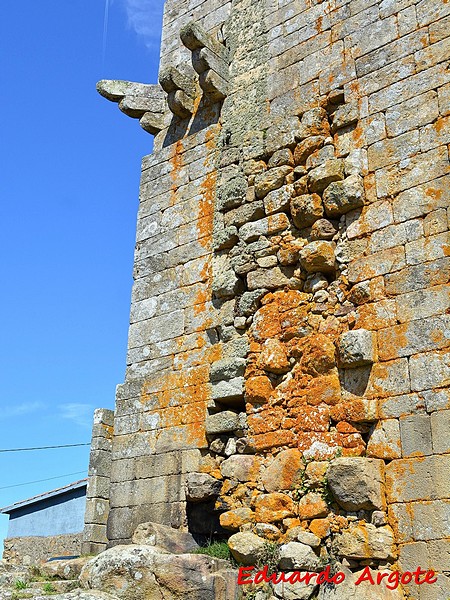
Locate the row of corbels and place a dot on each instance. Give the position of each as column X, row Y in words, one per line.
column 147, row 102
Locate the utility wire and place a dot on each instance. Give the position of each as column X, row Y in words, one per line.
column 7, row 487
column 43, row 448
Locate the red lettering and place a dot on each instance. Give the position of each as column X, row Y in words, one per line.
column 294, row 577
column 338, row 578
column 393, row 580
column 366, row 575
column 324, row 576
column 283, row 577
column 273, row 577
column 307, row 577
column 259, row 577
column 417, row 573
column 430, row 577
column 242, row 575
column 381, row 576
column 406, row 577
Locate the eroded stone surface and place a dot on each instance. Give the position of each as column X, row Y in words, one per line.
column 357, row 483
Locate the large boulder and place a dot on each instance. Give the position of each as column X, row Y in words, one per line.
column 357, row 348
column 222, row 422
column 320, row 177
column 357, row 483
column 295, row 556
column 234, row 519
column 318, row 257
column 195, row 577
column 270, row 180
column 64, row 569
column 340, row 197
column 306, row 209
column 124, row 571
column 240, row 467
column 270, row 508
column 165, row 538
column 140, row 573
column 246, row 547
column 294, row 591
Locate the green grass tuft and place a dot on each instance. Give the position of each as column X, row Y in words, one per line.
column 20, row 584
column 216, row 550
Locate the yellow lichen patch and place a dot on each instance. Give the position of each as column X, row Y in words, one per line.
column 265, row 421
column 270, row 508
column 266, row 323
column 313, row 418
column 320, row 527
column 269, row 441
column 258, row 389
column 176, row 160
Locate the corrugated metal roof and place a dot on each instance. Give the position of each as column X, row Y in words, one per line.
column 44, row 496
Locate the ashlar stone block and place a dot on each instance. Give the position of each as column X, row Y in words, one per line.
column 357, row 483
column 415, row 432
column 357, row 348
column 421, row 478
column 440, row 428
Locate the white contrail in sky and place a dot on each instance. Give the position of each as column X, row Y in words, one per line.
column 105, row 31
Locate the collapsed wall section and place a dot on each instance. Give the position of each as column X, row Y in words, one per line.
column 288, row 348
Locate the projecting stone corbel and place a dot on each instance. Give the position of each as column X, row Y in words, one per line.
column 181, row 91
column 145, row 102
column 209, row 58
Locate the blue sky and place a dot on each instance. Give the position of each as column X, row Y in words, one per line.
column 70, row 165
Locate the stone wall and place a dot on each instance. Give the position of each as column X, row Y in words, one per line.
column 97, row 493
column 288, row 360
column 26, row 551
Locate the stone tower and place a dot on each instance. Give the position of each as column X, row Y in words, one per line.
column 288, row 361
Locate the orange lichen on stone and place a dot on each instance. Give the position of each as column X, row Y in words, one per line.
column 312, row 506
column 283, row 472
column 206, row 208
column 354, row 411
column 265, row 421
column 324, row 389
column 329, row 438
column 313, row 418
column 270, row 508
column 176, row 160
column 266, row 323
column 318, row 356
column 344, row 427
column 109, row 430
column 258, row 389
column 320, row 527
column 275, row 439
column 274, row 357
column 234, row 519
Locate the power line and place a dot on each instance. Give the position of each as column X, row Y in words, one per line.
column 43, row 448
column 7, row 487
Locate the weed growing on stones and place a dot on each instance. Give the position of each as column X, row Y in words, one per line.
column 20, row 584
column 269, row 555
column 216, row 550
